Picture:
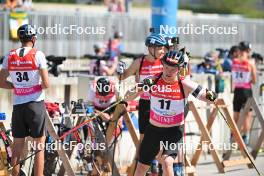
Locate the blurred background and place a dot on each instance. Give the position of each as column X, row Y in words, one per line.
column 133, row 19
column 84, row 39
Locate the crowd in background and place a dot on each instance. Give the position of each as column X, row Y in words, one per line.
column 118, row 6
column 16, row 4
column 108, row 53
column 106, row 60
column 115, row 5
column 218, row 61
column 215, row 62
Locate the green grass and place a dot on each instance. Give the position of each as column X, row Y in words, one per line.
column 140, row 5
column 245, row 7
column 56, row 1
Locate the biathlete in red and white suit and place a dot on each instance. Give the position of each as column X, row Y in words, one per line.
column 168, row 92
column 146, row 66
column 243, row 77
column 27, row 68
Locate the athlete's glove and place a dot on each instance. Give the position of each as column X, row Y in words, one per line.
column 121, row 66
column 146, row 82
column 185, row 56
column 210, row 95
column 124, row 102
column 149, row 82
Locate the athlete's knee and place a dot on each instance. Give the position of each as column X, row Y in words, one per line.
column 141, row 169
column 167, row 161
column 40, row 143
column 40, row 139
column 18, row 145
column 15, row 172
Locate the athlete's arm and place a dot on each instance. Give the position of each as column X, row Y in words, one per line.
column 132, row 69
column 253, row 73
column 191, row 87
column 133, row 93
column 45, row 78
column 106, row 117
column 111, row 70
column 3, row 80
column 43, row 71
column 91, row 94
column 4, row 83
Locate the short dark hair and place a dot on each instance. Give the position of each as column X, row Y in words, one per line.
column 233, row 49
column 118, row 35
column 244, row 45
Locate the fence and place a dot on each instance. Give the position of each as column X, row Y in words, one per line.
column 135, row 30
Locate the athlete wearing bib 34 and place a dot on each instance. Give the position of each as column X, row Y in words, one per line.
column 27, row 69
column 168, row 92
column 243, row 76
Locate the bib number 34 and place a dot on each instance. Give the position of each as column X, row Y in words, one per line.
column 22, row 76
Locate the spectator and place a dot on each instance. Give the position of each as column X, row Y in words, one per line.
column 215, row 55
column 22, row 4
column 258, row 58
column 114, row 48
column 99, row 49
column 99, row 66
column 115, row 5
column 207, row 66
column 10, row 5
column 211, row 65
column 27, row 5
column 233, row 53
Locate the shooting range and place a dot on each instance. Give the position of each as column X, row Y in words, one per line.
column 85, row 41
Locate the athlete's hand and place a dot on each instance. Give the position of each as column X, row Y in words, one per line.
column 148, row 81
column 185, row 56
column 211, row 95
column 121, row 66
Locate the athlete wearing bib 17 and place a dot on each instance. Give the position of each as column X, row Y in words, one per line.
column 27, row 69
column 168, row 94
